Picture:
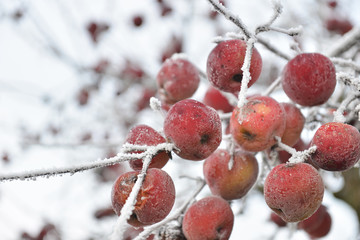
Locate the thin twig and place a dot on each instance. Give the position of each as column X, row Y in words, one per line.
column 121, row 157
column 231, row 16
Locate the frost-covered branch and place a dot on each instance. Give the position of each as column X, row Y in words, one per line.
column 272, row 48
column 349, row 79
column 346, row 63
column 124, row 155
column 129, row 205
column 273, row 86
column 345, row 43
column 296, row 156
column 231, row 16
column 339, row 113
column 277, row 7
column 246, row 72
column 173, row 216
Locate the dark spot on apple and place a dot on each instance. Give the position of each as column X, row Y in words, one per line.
column 248, row 135
column 204, row 138
column 237, row 77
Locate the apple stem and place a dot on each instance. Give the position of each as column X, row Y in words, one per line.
column 155, row 105
column 296, row 156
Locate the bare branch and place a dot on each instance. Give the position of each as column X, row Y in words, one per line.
column 120, row 157
column 345, row 43
column 273, row 49
column 231, row 16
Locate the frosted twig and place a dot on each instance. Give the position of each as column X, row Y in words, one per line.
column 272, row 87
column 284, row 146
column 246, row 72
column 345, row 43
column 129, row 205
column 348, row 79
column 291, row 31
column 174, row 215
column 120, row 157
column 224, row 116
column 296, row 156
column 277, row 11
column 273, row 48
column 339, row 113
column 230, row 97
column 346, row 63
column 232, row 152
column 231, row 16
column 301, row 156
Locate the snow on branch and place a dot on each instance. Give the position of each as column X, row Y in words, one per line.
column 346, row 63
column 273, row 86
column 349, row 79
column 129, row 206
column 272, row 48
column 296, row 156
column 277, row 7
column 124, row 155
column 345, row 43
column 246, row 72
column 339, row 113
column 231, row 16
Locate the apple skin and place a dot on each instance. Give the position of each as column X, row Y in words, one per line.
column 194, row 128
column 255, row 126
column 177, row 79
column 338, row 146
column 154, row 201
column 145, row 135
column 294, row 191
column 309, row 79
column 224, row 65
column 208, row 218
column 230, row 184
column 295, row 122
column 214, row 98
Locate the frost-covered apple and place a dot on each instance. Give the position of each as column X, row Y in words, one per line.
column 294, row 191
column 154, row 201
column 194, row 128
column 224, row 65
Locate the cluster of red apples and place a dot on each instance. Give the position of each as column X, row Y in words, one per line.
column 293, row 189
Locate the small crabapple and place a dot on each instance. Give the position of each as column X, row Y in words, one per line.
column 338, row 146
column 224, row 65
column 323, row 229
column 231, row 183
column 309, row 79
column 194, row 128
column 177, row 79
column 154, row 201
column 277, row 220
column 255, row 125
column 208, row 218
column 214, row 98
column 146, row 135
column 294, row 191
column 295, row 121
column 314, row 221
